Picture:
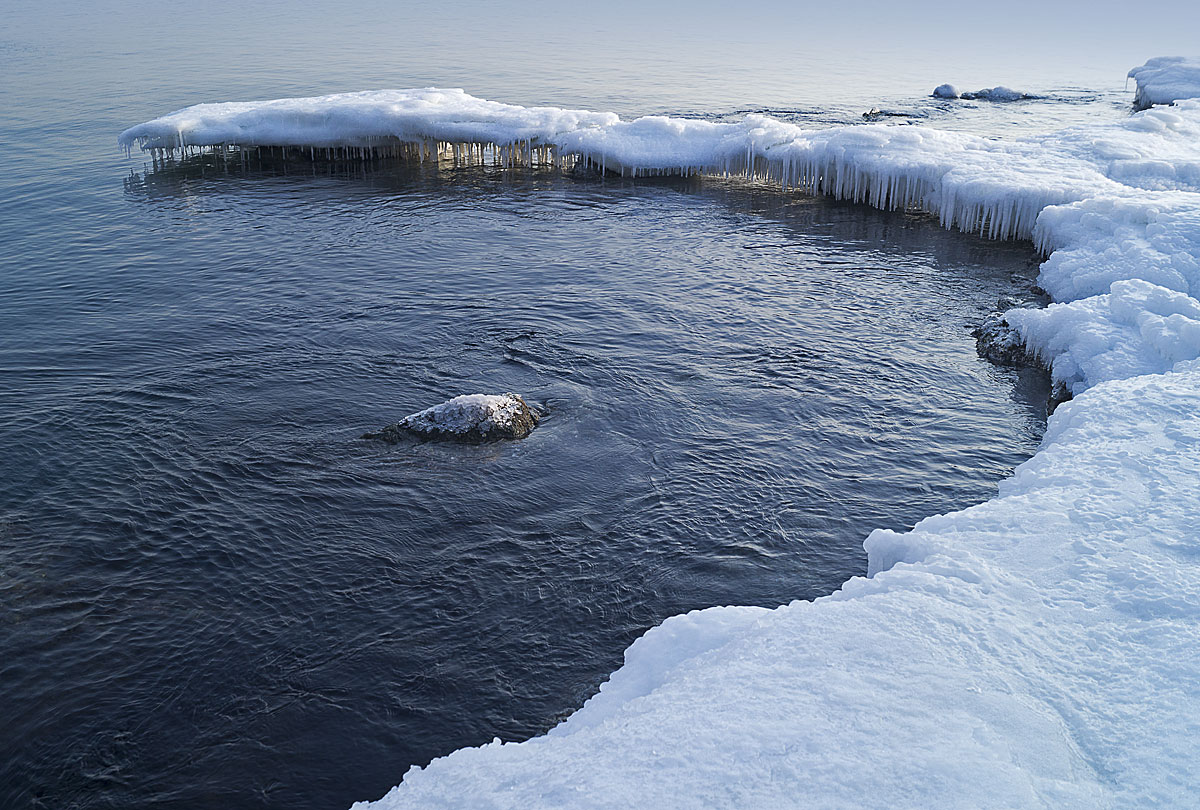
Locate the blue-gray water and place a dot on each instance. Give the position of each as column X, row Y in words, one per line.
column 214, row 594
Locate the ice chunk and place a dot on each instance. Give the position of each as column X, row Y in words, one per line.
column 945, row 91
column 1166, row 79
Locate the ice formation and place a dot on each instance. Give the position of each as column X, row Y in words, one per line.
column 468, row 418
column 970, row 182
column 1036, row 650
column 945, row 91
column 377, row 122
column 1166, row 79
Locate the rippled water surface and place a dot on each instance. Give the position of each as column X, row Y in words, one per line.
column 215, row 594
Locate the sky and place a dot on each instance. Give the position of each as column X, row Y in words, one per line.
column 560, row 51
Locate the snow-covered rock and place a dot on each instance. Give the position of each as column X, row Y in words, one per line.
column 474, row 418
column 996, row 94
column 998, row 341
column 1166, row 79
column 948, row 91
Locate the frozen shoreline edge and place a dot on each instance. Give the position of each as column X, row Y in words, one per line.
column 1033, row 650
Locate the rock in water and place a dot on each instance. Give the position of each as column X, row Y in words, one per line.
column 995, row 340
column 474, row 418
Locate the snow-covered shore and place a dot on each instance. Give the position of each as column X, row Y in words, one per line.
column 1039, row 649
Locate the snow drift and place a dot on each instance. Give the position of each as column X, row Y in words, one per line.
column 1037, row 650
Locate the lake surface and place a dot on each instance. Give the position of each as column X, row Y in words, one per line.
column 213, row 593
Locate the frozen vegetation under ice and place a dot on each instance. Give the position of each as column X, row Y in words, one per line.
column 1036, row 650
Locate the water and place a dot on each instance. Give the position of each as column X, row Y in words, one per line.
column 214, row 594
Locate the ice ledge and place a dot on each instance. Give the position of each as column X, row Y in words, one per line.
column 1165, row 80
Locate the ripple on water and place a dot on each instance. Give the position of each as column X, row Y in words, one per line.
column 216, row 594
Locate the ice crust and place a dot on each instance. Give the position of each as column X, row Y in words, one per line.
column 1166, row 79
column 1036, row 650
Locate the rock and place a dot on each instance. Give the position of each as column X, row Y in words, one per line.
column 472, row 418
column 996, row 94
column 1059, row 393
column 995, row 340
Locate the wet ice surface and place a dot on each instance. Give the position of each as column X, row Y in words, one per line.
column 241, row 602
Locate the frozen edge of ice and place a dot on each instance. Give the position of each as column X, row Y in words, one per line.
column 1165, row 80
column 972, row 183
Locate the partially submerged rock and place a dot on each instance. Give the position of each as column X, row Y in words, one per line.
column 997, row 341
column 948, row 91
column 473, row 418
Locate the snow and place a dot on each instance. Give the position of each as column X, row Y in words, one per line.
column 1166, row 79
column 1036, row 650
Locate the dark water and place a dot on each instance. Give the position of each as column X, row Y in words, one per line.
column 214, row 594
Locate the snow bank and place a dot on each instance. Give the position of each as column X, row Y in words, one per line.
column 1037, row 650
column 1166, row 79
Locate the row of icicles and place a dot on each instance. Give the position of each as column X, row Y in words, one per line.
column 814, row 176
column 521, row 154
